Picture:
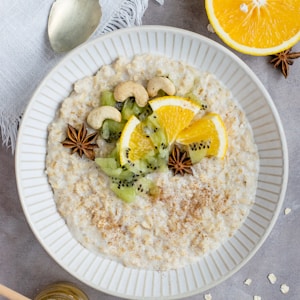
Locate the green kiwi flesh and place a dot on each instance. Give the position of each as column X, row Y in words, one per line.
column 194, row 98
column 112, row 168
column 124, row 192
column 197, row 151
column 111, row 130
column 107, row 98
column 157, row 134
column 128, row 190
column 130, row 108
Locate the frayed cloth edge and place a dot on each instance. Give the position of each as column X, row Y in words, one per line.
column 129, row 14
column 9, row 130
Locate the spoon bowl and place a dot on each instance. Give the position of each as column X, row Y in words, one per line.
column 72, row 22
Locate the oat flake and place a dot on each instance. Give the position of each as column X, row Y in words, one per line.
column 248, row 281
column 208, row 297
column 272, row 278
column 284, row 288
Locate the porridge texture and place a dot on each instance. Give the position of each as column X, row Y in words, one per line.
column 191, row 215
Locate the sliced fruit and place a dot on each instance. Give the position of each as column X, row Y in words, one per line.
column 193, row 97
column 107, row 98
column 210, row 128
column 128, row 190
column 198, row 150
column 256, row 27
column 125, row 191
column 111, row 130
column 112, row 168
column 147, row 110
column 130, row 108
column 157, row 134
column 134, row 144
column 174, row 114
column 156, row 161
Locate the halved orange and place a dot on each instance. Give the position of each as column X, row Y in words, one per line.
column 256, row 27
column 209, row 128
column 174, row 114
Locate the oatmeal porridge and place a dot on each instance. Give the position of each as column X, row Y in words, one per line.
column 192, row 214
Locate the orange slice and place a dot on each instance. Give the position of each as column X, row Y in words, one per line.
column 134, row 144
column 174, row 114
column 256, row 27
column 209, row 128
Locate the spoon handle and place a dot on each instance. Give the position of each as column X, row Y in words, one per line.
column 11, row 294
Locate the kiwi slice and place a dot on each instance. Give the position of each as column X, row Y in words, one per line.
column 138, row 167
column 124, row 183
column 156, row 162
column 146, row 111
column 124, row 191
column 157, row 134
column 111, row 130
column 112, row 168
column 128, row 190
column 146, row 186
column 194, row 98
column 107, row 98
column 130, row 108
column 151, row 162
column 197, row 151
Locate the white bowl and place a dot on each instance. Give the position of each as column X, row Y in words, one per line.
column 36, row 195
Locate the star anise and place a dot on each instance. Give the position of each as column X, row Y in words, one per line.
column 283, row 60
column 179, row 162
column 79, row 141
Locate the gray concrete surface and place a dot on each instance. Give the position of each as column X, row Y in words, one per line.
column 26, row 267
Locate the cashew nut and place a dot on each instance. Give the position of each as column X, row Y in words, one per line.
column 97, row 116
column 160, row 83
column 131, row 89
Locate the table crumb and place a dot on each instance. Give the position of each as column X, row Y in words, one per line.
column 248, row 281
column 256, row 298
column 284, row 288
column 207, row 297
column 272, row 278
column 210, row 28
column 287, row 211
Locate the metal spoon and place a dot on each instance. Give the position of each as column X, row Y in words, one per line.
column 72, row 22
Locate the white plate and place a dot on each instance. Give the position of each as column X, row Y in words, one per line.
column 36, row 195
